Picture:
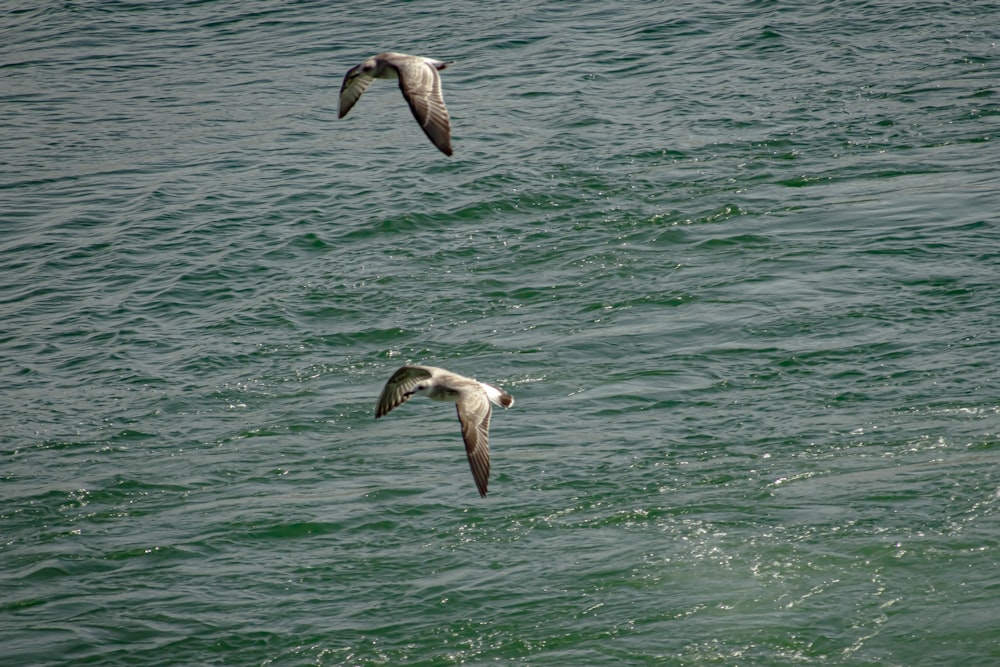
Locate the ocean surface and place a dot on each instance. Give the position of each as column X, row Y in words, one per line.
column 738, row 262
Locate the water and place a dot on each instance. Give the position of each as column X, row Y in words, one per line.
column 737, row 263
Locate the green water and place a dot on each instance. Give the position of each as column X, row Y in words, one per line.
column 738, row 264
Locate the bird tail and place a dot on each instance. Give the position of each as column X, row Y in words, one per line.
column 498, row 396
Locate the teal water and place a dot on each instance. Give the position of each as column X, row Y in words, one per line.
column 737, row 262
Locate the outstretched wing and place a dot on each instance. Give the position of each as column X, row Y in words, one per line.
column 421, row 86
column 351, row 90
column 474, row 413
column 397, row 389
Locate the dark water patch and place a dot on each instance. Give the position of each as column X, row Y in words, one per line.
column 295, row 531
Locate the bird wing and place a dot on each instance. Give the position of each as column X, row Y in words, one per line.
column 421, row 86
column 351, row 90
column 396, row 390
column 474, row 414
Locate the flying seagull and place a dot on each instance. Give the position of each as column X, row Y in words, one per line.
column 472, row 399
column 421, row 85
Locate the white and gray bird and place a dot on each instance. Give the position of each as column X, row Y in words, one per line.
column 472, row 400
column 421, row 85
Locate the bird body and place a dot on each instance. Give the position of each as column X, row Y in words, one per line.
column 419, row 82
column 472, row 400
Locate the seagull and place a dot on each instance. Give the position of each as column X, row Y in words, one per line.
column 471, row 397
column 421, row 85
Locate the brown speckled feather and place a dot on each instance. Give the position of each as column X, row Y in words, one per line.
column 472, row 401
column 420, row 84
